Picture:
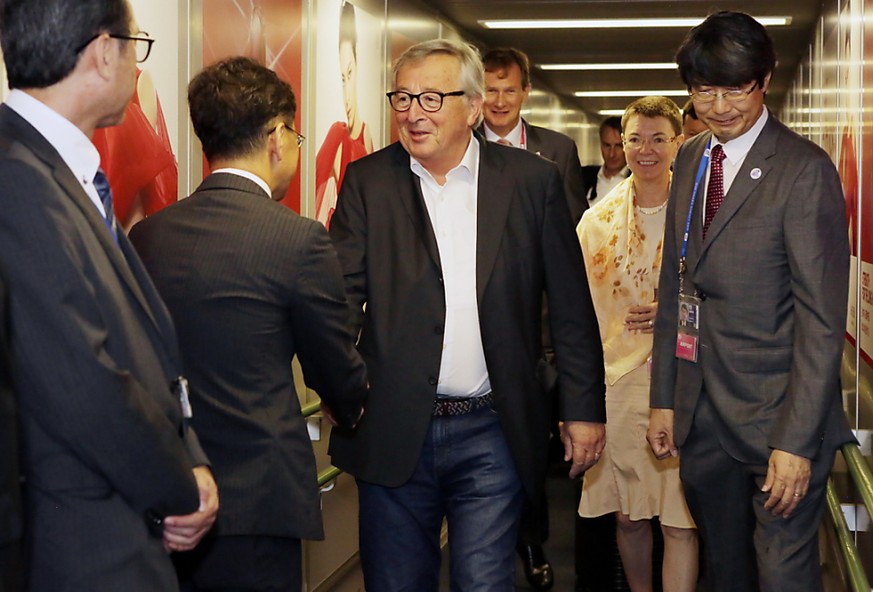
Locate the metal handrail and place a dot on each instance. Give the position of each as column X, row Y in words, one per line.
column 857, row 577
column 331, row 472
column 861, row 473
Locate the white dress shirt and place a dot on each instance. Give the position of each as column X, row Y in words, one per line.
column 452, row 210
column 735, row 152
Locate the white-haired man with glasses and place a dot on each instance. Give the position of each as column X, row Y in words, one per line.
column 115, row 476
column 447, row 243
column 756, row 252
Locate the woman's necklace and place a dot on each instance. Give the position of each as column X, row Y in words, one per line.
column 651, row 211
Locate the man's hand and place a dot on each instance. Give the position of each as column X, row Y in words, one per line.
column 660, row 433
column 583, row 444
column 787, row 482
column 182, row 533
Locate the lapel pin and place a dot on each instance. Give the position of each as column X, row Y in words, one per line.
column 755, row 174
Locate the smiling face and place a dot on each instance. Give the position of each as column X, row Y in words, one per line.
column 437, row 140
column 729, row 120
column 650, row 160
column 504, row 98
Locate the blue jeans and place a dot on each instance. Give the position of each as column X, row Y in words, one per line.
column 465, row 474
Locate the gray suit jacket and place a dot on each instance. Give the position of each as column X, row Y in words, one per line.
column 250, row 285
column 773, row 276
column 526, row 245
column 95, row 352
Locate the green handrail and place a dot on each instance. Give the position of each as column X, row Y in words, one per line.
column 861, row 473
column 331, row 472
column 857, row 577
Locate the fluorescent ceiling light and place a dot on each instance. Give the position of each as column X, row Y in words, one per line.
column 630, row 93
column 610, row 67
column 611, row 112
column 642, row 23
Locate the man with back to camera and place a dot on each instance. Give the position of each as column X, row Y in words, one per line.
column 751, row 397
column 112, row 468
column 507, row 86
column 599, row 180
column 250, row 284
column 450, row 241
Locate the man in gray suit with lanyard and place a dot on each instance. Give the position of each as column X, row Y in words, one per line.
column 112, row 469
column 745, row 380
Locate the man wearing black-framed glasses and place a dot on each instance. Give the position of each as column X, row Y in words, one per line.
column 115, row 476
column 447, row 243
column 249, row 284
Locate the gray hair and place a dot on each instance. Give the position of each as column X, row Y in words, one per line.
column 472, row 76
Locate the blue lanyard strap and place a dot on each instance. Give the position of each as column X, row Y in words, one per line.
column 701, row 169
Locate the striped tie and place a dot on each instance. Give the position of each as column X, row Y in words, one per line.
column 101, row 184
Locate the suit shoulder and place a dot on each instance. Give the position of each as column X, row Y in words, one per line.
column 554, row 137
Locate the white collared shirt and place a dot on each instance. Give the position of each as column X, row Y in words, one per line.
column 74, row 147
column 250, row 176
column 514, row 137
column 735, row 152
column 452, row 210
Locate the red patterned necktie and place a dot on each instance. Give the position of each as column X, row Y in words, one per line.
column 504, row 142
column 715, row 188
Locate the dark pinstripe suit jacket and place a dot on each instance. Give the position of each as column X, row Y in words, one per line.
column 95, row 352
column 250, row 284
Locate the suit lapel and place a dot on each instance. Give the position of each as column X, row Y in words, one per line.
column 744, row 183
column 408, row 187
column 495, row 193
column 684, row 191
column 65, row 179
column 532, row 138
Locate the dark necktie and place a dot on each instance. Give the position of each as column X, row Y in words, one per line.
column 715, row 188
column 101, row 184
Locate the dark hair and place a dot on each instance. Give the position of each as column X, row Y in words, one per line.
column 233, row 103
column 652, row 107
column 727, row 49
column 502, row 58
column 348, row 31
column 42, row 39
column 614, row 122
column 689, row 111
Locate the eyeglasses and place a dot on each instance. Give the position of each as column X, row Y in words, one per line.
column 637, row 143
column 733, row 95
column 142, row 45
column 430, row 101
column 298, row 136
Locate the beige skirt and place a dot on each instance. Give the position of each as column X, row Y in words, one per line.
column 628, row 478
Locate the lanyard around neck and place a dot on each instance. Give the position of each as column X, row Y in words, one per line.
column 701, row 170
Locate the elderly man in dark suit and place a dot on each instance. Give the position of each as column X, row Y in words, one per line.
column 10, row 486
column 111, row 466
column 447, row 243
column 756, row 249
column 250, row 284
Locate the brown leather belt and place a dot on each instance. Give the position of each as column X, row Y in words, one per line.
column 459, row 406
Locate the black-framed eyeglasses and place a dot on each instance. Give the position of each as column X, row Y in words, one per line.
column 431, row 100
column 298, row 136
column 142, row 45
column 732, row 95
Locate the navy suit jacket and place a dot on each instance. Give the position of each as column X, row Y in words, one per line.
column 95, row 353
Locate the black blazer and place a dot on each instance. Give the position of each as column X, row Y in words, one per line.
column 526, row 245
column 250, row 285
column 95, row 353
column 561, row 150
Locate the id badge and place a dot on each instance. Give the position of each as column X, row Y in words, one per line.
column 688, row 327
